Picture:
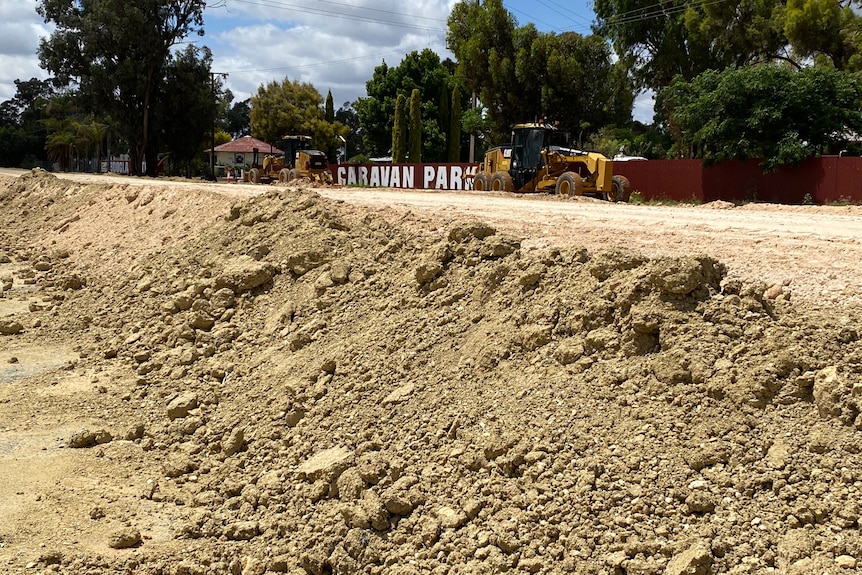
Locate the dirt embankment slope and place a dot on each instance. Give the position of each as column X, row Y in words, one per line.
column 289, row 384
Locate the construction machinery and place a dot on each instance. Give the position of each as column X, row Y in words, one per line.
column 298, row 161
column 539, row 161
column 496, row 159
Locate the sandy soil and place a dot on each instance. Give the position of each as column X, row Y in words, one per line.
column 814, row 250
column 209, row 378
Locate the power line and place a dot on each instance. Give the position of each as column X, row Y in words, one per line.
column 656, row 11
column 330, row 62
column 305, row 9
column 567, row 13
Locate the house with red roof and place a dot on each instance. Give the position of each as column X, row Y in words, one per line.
column 239, row 153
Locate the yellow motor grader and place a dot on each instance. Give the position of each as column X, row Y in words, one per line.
column 536, row 162
column 496, row 160
column 298, row 161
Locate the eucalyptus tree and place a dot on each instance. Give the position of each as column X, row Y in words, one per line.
column 116, row 52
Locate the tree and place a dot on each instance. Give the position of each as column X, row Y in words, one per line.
column 443, row 112
column 415, row 131
column 482, row 37
column 116, row 51
column 347, row 116
column 329, row 113
column 399, row 131
column 522, row 75
column 284, row 108
column 767, row 111
column 455, row 127
column 825, row 30
column 22, row 135
column 293, row 108
column 238, row 120
column 188, row 109
column 61, row 126
column 658, row 43
column 422, row 70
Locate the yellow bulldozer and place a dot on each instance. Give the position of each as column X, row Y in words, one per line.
column 537, row 160
column 298, row 161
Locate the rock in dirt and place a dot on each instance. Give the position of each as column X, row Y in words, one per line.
column 244, row 274
column 10, row 327
column 181, row 405
column 125, row 538
column 326, row 464
column 234, row 442
column 696, row 560
column 86, row 438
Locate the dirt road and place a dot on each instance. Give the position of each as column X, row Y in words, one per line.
column 814, row 250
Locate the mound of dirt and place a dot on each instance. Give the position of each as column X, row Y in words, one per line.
column 287, row 385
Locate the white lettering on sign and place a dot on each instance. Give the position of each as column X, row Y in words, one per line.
column 434, row 176
column 455, row 178
column 427, row 176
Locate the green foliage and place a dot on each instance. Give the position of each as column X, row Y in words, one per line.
column 415, row 131
column 455, row 127
column 116, row 51
column 188, row 115
column 444, row 120
column 284, row 108
column 72, row 134
column 22, row 135
column 422, row 70
column 825, row 30
column 522, row 75
column 238, row 119
column 769, row 112
column 348, row 117
column 329, row 111
column 399, row 131
column 294, row 108
column 686, row 38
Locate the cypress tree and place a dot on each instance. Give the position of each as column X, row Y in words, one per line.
column 455, row 127
column 329, row 114
column 443, row 115
column 415, row 127
column 399, row 129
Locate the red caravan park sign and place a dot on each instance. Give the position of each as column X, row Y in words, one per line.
column 420, row 176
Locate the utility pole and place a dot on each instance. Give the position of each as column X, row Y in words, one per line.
column 472, row 135
column 215, row 106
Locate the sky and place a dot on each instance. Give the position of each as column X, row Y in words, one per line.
column 333, row 44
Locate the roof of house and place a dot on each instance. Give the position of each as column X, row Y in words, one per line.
column 246, row 145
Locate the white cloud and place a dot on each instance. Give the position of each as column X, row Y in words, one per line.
column 644, row 107
column 333, row 45
column 20, row 31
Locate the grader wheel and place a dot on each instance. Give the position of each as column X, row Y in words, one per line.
column 621, row 191
column 293, row 175
column 502, row 182
column 570, row 184
column 283, row 175
column 254, row 176
column 480, row 182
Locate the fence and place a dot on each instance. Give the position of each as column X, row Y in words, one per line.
column 817, row 180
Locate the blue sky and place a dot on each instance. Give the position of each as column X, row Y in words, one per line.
column 334, row 44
